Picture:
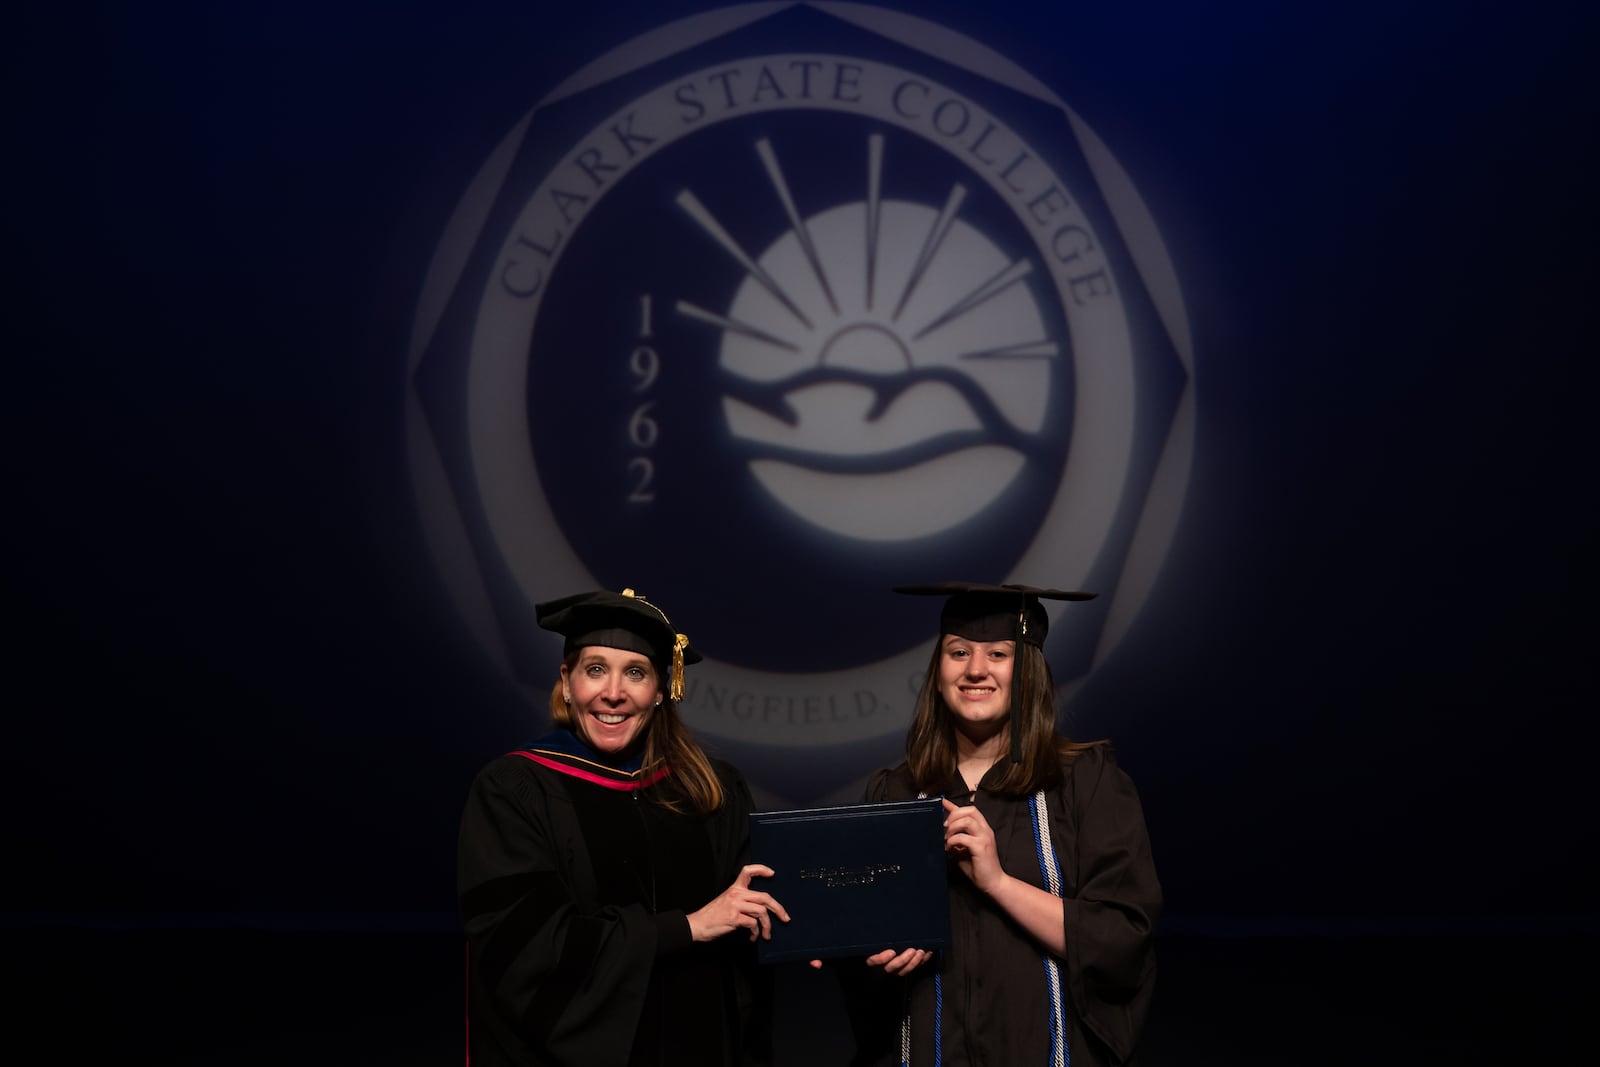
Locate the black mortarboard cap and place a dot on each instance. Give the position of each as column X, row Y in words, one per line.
column 624, row 620
column 979, row 611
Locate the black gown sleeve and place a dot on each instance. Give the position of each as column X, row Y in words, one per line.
column 754, row 990
column 1111, row 914
column 732, row 839
column 560, row 976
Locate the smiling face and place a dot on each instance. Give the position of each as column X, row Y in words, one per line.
column 975, row 682
column 612, row 693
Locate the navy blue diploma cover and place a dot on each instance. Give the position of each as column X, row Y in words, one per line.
column 854, row 879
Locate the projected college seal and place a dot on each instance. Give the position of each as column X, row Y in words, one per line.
column 762, row 331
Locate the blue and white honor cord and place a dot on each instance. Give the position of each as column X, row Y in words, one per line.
column 1059, row 1055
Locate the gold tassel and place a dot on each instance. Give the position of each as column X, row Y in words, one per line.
column 678, row 646
column 681, row 642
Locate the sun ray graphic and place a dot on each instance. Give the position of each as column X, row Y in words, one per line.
column 1014, row 272
column 769, row 160
column 700, row 314
column 1031, row 350
column 874, row 197
column 702, row 215
column 930, row 246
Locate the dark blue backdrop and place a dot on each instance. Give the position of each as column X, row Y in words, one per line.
column 1361, row 689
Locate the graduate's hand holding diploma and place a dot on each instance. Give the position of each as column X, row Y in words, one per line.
column 902, row 962
column 739, row 908
column 970, row 839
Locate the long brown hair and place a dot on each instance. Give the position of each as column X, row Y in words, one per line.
column 693, row 782
column 931, row 741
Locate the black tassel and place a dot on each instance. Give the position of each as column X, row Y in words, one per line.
column 1020, row 628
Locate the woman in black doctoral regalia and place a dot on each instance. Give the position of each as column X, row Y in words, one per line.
column 603, row 867
column 1053, row 893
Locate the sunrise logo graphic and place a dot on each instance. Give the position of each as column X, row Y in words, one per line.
column 877, row 351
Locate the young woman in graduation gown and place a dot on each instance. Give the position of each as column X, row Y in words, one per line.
column 1053, row 893
column 602, row 871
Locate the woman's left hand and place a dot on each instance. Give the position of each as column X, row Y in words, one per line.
column 969, row 838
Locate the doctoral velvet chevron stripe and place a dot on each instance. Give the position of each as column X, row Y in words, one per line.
column 590, row 771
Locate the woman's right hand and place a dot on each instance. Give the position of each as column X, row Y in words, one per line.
column 739, row 908
column 902, row 962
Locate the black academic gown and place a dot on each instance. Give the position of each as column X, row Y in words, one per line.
column 574, row 896
column 995, row 1001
